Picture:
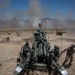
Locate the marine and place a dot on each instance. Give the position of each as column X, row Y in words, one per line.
column 56, row 52
column 25, row 49
column 69, row 54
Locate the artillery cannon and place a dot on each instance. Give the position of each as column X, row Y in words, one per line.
column 39, row 57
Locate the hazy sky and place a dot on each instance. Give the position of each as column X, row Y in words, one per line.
column 49, row 8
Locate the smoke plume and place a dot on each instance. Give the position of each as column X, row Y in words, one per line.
column 34, row 12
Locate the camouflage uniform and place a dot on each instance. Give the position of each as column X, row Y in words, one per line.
column 69, row 54
column 55, row 52
column 25, row 50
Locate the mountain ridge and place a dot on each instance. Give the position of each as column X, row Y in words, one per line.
column 49, row 23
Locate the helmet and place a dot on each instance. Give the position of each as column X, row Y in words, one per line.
column 27, row 44
column 56, row 47
column 72, row 45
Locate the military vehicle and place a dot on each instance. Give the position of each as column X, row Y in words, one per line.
column 40, row 57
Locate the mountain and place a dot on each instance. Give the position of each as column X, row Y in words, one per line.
column 16, row 23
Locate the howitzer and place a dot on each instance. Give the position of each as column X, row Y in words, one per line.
column 40, row 57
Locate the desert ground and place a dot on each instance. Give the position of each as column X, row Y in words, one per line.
column 11, row 43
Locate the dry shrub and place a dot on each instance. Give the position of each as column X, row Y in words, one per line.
column 7, row 38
